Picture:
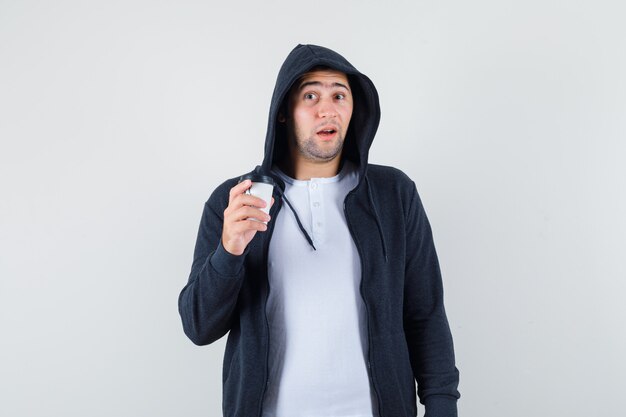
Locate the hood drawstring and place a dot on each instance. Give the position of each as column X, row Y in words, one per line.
column 377, row 218
column 372, row 205
column 306, row 235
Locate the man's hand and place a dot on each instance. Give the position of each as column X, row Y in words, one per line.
column 239, row 228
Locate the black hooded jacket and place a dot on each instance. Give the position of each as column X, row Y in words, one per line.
column 409, row 338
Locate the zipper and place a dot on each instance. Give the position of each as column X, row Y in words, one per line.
column 367, row 319
column 266, row 248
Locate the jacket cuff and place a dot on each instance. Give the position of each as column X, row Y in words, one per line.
column 440, row 406
column 225, row 263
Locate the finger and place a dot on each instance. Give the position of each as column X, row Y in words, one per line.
column 239, row 189
column 272, row 203
column 243, row 200
column 247, row 200
column 246, row 212
column 247, row 225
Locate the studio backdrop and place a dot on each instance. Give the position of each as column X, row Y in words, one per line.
column 119, row 118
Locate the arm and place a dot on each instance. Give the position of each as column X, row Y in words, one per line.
column 207, row 304
column 425, row 323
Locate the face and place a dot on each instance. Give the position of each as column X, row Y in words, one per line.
column 320, row 108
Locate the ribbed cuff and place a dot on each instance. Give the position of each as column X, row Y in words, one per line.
column 225, row 263
column 440, row 406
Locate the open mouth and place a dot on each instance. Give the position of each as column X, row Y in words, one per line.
column 326, row 133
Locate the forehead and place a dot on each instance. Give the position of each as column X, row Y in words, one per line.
column 325, row 78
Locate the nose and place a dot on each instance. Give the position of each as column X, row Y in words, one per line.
column 327, row 109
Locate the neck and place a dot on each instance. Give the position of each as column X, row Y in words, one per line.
column 304, row 170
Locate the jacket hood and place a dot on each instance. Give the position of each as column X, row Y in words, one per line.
column 365, row 113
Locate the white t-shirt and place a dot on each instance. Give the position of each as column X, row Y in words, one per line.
column 318, row 338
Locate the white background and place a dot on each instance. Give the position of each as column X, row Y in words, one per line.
column 118, row 119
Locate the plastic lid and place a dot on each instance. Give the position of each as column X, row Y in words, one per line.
column 258, row 178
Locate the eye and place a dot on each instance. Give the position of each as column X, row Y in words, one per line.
column 340, row 96
column 310, row 96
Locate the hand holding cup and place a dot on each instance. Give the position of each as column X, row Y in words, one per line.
column 246, row 214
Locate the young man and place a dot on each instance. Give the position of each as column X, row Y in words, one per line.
column 335, row 306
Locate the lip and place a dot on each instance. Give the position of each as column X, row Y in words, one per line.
column 328, row 127
column 327, row 136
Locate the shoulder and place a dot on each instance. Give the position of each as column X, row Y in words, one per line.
column 389, row 178
column 218, row 200
column 393, row 190
column 222, row 190
column 391, row 185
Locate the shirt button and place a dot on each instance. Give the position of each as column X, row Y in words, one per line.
column 313, row 185
column 316, row 204
column 319, row 224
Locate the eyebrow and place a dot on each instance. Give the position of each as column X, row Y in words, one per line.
column 318, row 83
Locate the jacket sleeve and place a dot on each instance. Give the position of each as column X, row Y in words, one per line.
column 208, row 302
column 425, row 324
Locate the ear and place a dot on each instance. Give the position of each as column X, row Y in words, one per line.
column 281, row 118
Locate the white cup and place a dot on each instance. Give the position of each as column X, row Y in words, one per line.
column 262, row 187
